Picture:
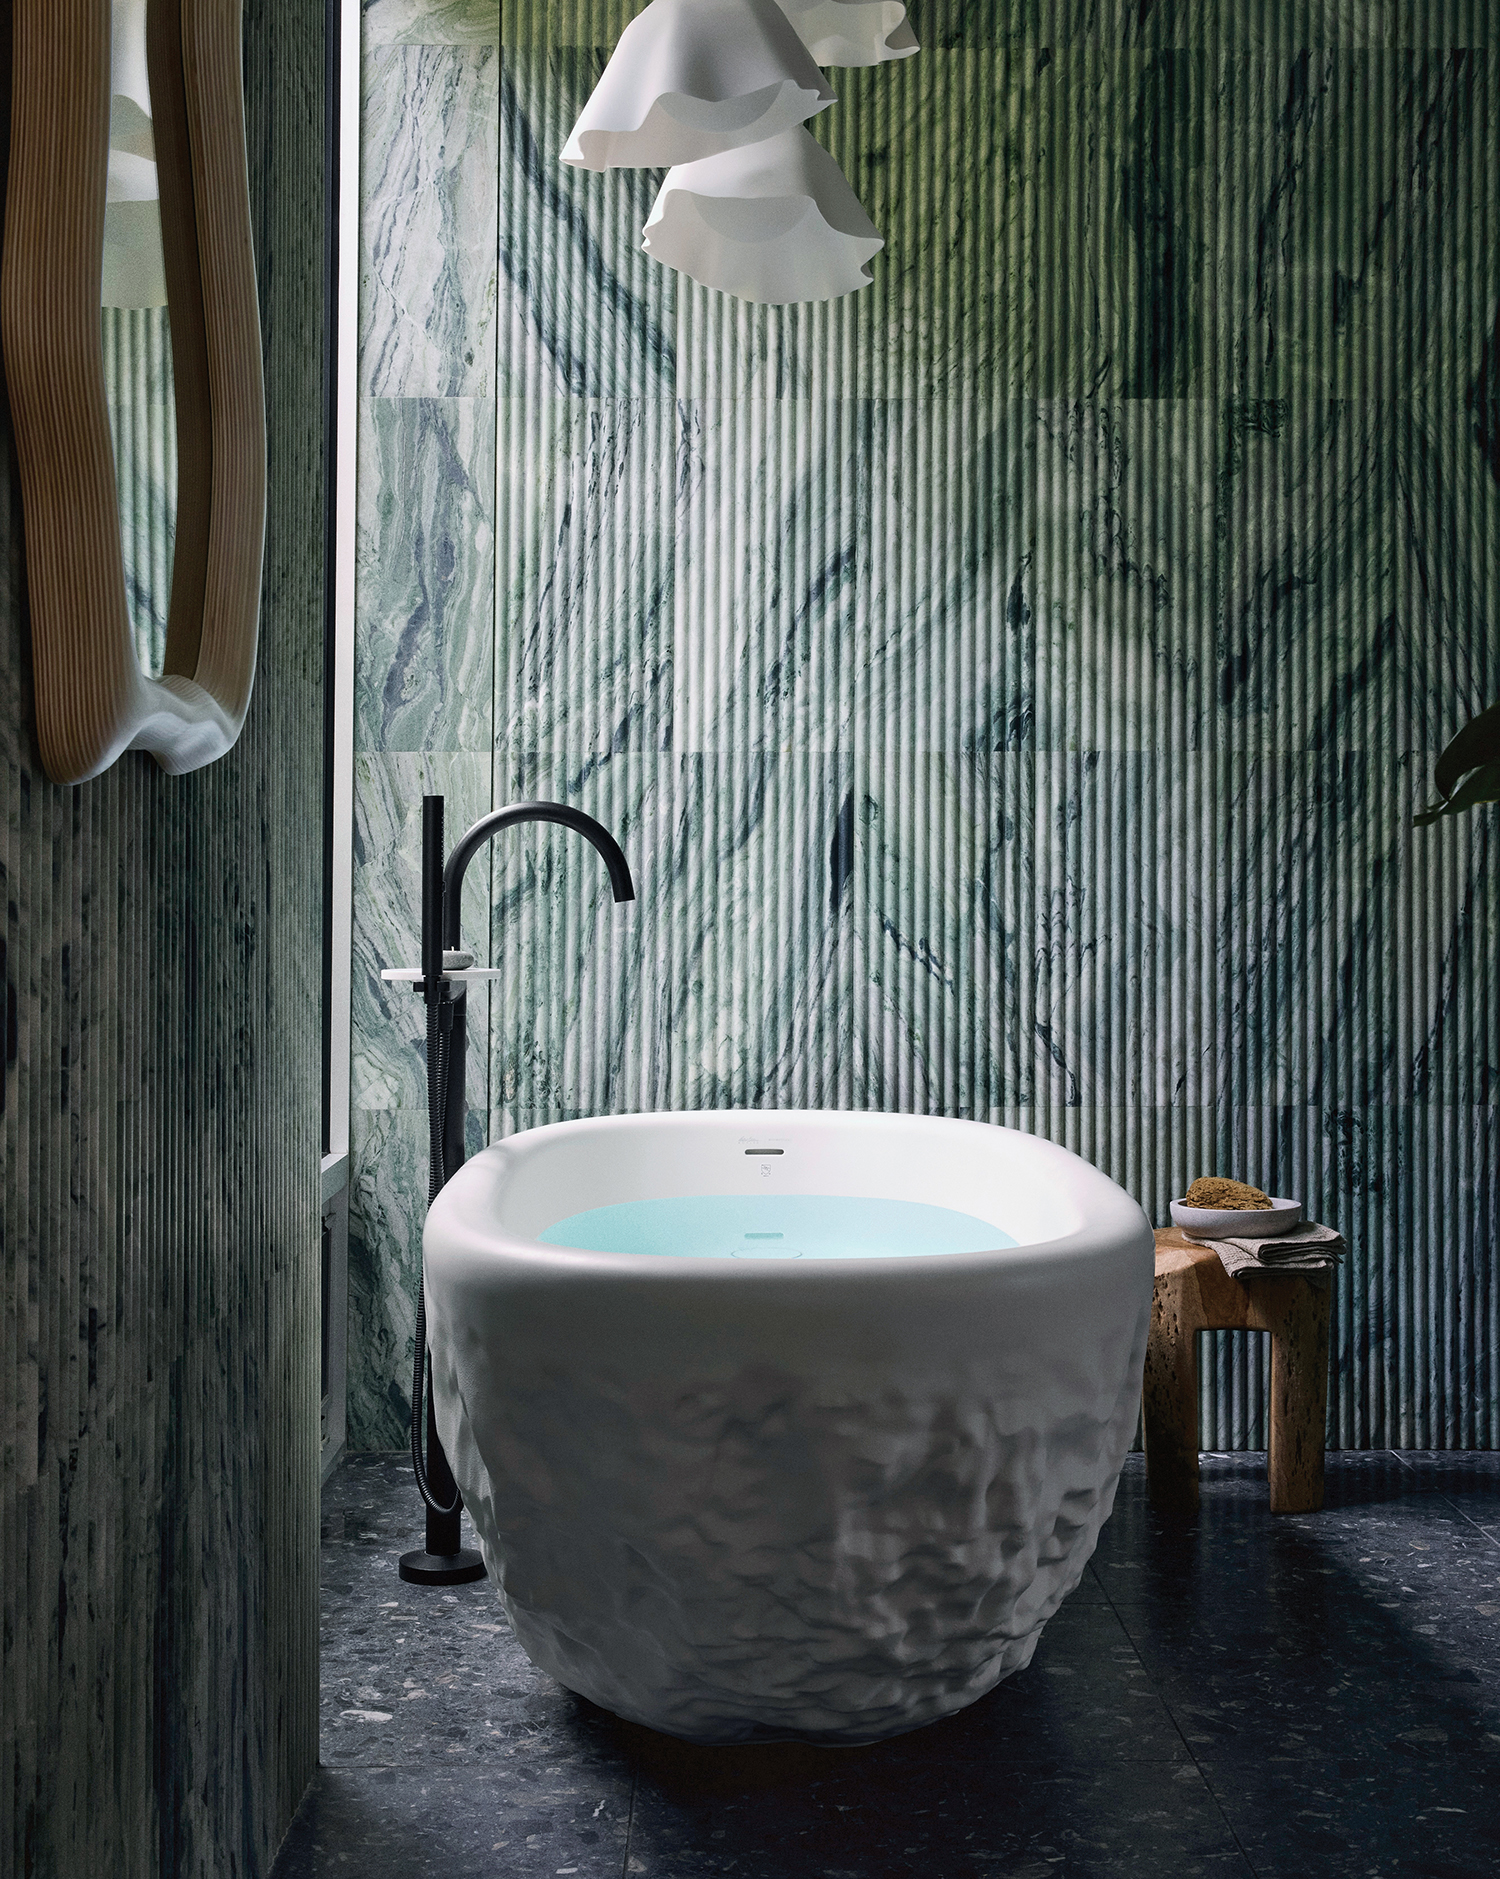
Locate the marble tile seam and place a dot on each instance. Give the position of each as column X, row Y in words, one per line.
column 855, row 748
column 428, row 275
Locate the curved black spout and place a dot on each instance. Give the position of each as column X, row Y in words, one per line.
column 516, row 812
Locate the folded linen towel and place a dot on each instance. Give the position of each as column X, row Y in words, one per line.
column 1308, row 1248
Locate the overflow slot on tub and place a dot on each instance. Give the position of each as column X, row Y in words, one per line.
column 765, row 1152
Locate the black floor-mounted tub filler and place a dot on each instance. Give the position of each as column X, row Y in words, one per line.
column 443, row 980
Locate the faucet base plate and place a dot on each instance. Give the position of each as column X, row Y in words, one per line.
column 460, row 1568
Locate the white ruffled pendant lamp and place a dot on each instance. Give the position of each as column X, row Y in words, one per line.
column 852, row 32
column 774, row 222
column 691, row 79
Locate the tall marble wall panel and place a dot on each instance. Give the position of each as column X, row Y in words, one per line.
column 1013, row 683
column 159, row 1186
column 425, row 637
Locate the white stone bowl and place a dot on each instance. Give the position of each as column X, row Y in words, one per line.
column 1228, row 1223
column 830, row 1499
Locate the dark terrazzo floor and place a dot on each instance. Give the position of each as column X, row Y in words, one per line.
column 1314, row 1695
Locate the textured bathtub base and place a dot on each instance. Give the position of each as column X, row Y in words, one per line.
column 846, row 1723
column 666, row 1561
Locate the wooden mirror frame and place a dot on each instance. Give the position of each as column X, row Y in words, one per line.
column 92, row 700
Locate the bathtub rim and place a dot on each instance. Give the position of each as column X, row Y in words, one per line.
column 460, row 1243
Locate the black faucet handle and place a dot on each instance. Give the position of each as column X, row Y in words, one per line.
column 432, row 898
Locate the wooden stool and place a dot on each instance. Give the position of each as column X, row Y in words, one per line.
column 1194, row 1293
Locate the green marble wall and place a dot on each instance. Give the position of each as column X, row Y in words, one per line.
column 160, row 1128
column 1012, row 684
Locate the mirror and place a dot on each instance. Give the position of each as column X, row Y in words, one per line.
column 137, row 343
column 127, row 195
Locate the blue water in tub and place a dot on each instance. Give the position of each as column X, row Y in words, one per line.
column 771, row 1226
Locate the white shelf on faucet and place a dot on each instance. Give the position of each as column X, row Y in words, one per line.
column 415, row 972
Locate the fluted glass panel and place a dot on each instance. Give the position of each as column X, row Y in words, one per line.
column 143, row 430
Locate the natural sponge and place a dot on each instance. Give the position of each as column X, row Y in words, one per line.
column 1212, row 1190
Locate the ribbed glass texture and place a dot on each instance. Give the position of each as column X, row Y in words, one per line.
column 143, row 428
column 1012, row 684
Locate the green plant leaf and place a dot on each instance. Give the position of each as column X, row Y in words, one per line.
column 1468, row 771
column 1482, row 784
column 1476, row 744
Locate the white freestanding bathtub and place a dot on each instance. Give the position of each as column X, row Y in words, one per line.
column 829, row 1498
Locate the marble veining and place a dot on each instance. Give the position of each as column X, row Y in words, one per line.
column 425, row 575
column 430, row 22
column 427, row 248
column 583, row 306
column 1013, row 684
